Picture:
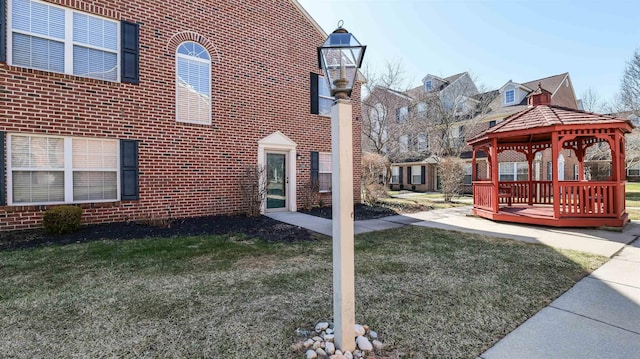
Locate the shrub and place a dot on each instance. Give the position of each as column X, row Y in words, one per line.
column 62, row 219
column 310, row 195
column 451, row 172
column 375, row 169
column 253, row 188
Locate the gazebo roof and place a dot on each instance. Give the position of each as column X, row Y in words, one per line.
column 547, row 118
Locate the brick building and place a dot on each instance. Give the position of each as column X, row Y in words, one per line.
column 140, row 109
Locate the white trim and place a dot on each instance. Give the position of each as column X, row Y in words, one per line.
column 67, row 41
column 67, row 170
column 279, row 143
column 177, row 86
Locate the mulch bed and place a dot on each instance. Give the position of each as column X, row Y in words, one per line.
column 361, row 212
column 261, row 227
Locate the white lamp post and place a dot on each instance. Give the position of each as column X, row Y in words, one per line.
column 340, row 57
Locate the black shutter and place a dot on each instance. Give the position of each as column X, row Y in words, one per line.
column 400, row 179
column 315, row 166
column 3, row 31
column 409, row 175
column 130, row 56
column 3, row 192
column 397, row 115
column 129, row 170
column 315, row 99
column 423, row 174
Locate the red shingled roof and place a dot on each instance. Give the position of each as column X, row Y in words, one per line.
column 546, row 116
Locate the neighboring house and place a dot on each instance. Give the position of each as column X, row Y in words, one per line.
column 512, row 98
column 408, row 136
column 137, row 110
column 475, row 112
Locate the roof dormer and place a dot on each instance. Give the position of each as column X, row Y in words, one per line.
column 513, row 93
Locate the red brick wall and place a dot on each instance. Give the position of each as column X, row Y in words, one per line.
column 262, row 53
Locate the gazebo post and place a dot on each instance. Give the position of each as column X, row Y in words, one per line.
column 495, row 177
column 554, row 174
column 580, row 158
column 530, row 157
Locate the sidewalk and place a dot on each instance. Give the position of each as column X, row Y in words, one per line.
column 598, row 318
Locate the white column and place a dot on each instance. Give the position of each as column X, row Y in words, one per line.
column 342, row 204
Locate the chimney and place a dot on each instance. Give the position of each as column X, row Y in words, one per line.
column 539, row 97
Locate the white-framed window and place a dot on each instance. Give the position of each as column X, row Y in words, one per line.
column 395, row 175
column 416, row 174
column 324, row 171
column 633, row 170
column 428, row 85
column 576, row 172
column 509, row 96
column 325, row 100
column 423, row 144
column 51, row 169
column 53, row 38
column 403, row 143
column 421, row 109
column 467, row 173
column 513, row 171
column 402, row 114
column 193, row 83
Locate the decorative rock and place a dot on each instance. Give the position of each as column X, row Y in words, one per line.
column 338, row 352
column 329, row 331
column 348, row 355
column 311, row 354
column 337, row 356
column 357, row 354
column 322, row 326
column 377, row 344
column 307, row 343
column 330, row 348
column 317, row 339
column 373, row 334
column 364, row 343
column 329, row 337
column 359, row 330
column 321, row 352
column 317, row 345
column 302, row 332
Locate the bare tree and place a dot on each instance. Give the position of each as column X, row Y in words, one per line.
column 591, row 101
column 449, row 116
column 374, row 165
column 451, row 176
column 381, row 125
column 630, row 84
column 253, row 188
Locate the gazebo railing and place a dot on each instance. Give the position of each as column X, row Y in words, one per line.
column 483, row 194
column 541, row 192
column 576, row 198
column 589, row 199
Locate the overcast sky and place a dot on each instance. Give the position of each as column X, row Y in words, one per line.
column 496, row 41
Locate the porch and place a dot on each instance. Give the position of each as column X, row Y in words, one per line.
column 579, row 203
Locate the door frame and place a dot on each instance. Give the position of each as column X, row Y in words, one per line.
column 285, row 208
column 277, row 142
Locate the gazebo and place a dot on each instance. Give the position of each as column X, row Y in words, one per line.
column 578, row 202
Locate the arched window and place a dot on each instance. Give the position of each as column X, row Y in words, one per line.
column 193, row 83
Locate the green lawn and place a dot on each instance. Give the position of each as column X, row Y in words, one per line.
column 430, row 293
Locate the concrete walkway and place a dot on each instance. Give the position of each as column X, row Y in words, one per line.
column 598, row 318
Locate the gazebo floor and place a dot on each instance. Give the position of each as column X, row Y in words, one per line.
column 543, row 215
